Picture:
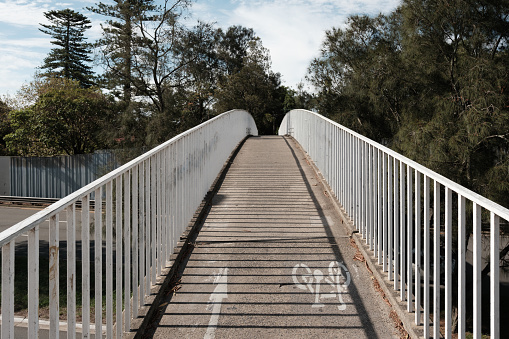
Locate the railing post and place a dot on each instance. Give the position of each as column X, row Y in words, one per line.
column 494, row 276
column 477, row 271
column 381, row 204
column 461, row 265
column 394, row 229
column 118, row 255
column 98, row 260
column 33, row 282
column 448, row 262
column 427, row 255
column 85, row 265
column 402, row 251
column 8, row 290
column 141, row 238
column 409, row 238
column 127, row 250
column 417, row 258
column 71, row 271
column 54, row 274
column 109, row 259
column 135, row 242
column 436, row 261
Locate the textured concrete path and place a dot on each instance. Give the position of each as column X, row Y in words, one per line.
column 273, row 261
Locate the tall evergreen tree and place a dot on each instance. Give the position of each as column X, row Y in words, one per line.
column 69, row 59
column 118, row 42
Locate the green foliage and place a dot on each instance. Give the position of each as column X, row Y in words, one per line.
column 255, row 88
column 69, row 59
column 66, row 119
column 5, row 127
column 430, row 79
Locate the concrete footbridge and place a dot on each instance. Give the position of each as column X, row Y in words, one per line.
column 221, row 233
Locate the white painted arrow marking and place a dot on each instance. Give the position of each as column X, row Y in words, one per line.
column 216, row 298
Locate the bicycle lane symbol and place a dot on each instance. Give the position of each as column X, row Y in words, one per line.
column 338, row 279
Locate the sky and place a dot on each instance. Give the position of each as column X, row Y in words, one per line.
column 292, row 30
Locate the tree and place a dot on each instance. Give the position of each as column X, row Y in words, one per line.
column 233, row 48
column 255, row 88
column 200, row 45
column 5, row 127
column 360, row 76
column 116, row 44
column 66, row 119
column 69, row 59
column 430, row 80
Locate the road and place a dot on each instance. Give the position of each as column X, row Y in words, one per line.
column 12, row 214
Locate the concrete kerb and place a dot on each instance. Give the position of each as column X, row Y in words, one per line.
column 386, row 285
column 169, row 275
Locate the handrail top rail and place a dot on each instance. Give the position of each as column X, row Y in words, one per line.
column 25, row 225
column 492, row 206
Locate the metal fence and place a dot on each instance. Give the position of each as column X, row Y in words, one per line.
column 147, row 204
column 396, row 204
column 56, row 177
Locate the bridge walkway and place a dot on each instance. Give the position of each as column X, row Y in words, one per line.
column 273, row 259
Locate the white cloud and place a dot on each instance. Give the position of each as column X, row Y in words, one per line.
column 23, row 13
column 293, row 30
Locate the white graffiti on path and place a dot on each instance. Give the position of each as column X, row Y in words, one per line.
column 215, row 300
column 338, row 279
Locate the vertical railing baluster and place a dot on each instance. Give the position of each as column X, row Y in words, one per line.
column 381, row 203
column 494, row 276
column 148, row 214
column 33, row 282
column 409, row 239
column 85, row 266
column 173, row 192
column 127, row 251
column 426, row 296
column 98, row 261
column 8, row 290
column 142, row 225
column 109, row 259
column 342, row 170
column 376, row 205
column 359, row 218
column 164, row 235
column 364, row 184
column 477, row 252
column 159, row 215
column 436, row 261
column 417, row 257
column 461, row 266
column 369, row 194
column 135, row 244
column 448, row 262
column 391, row 183
column 387, row 211
column 71, row 271
column 54, row 288
column 351, row 177
column 402, row 233
column 118, row 255
column 153, row 234
column 394, row 230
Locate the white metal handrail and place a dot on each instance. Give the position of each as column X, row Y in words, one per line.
column 391, row 200
column 148, row 203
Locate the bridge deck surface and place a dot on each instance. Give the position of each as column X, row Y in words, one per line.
column 273, row 259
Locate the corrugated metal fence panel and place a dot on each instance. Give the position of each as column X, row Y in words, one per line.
column 56, row 177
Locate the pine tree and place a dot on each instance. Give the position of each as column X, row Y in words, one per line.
column 118, row 42
column 69, row 59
